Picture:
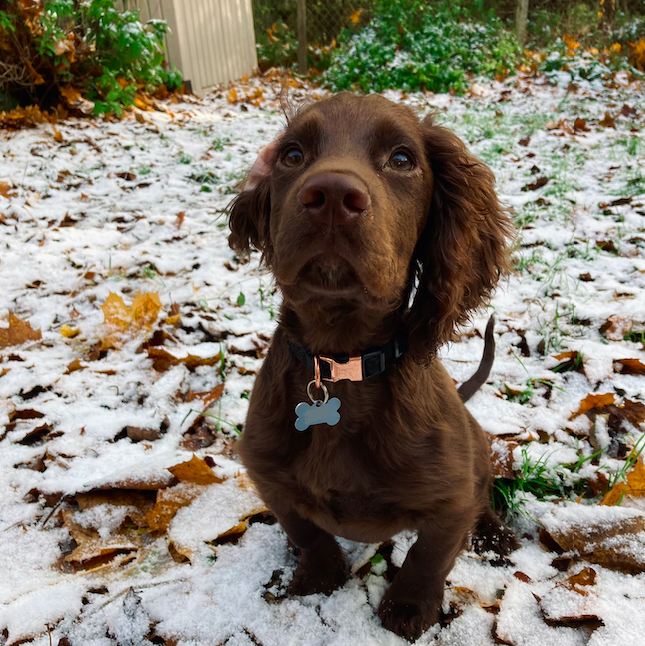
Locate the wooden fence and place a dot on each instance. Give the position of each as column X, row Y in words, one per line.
column 210, row 41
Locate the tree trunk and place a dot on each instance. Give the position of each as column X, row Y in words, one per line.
column 302, row 36
column 521, row 20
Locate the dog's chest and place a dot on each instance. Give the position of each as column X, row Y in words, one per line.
column 340, row 484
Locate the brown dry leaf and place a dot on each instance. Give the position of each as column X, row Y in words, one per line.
column 209, row 397
column 502, row 458
column 539, row 183
column 163, row 359
column 123, row 323
column 231, row 95
column 607, row 121
column 196, row 471
column 180, row 219
column 617, row 543
column 573, row 602
column 74, row 366
column 93, row 550
column 5, row 190
column 594, row 402
column 634, row 486
column 629, row 366
column 580, row 125
column 616, row 327
column 18, row 332
column 58, row 135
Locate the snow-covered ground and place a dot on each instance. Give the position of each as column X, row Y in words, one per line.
column 100, row 544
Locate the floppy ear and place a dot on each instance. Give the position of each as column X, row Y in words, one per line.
column 249, row 218
column 463, row 249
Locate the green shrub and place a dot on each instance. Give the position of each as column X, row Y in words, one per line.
column 413, row 44
column 55, row 50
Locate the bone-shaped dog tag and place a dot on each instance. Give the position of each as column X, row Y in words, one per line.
column 317, row 413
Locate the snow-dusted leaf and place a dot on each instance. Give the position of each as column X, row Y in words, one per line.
column 17, row 332
column 609, row 536
column 123, row 323
column 573, row 602
column 163, row 358
column 616, row 327
column 594, row 402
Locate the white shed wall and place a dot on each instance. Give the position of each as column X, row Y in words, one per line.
column 210, row 41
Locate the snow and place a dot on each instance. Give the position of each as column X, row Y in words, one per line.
column 98, row 213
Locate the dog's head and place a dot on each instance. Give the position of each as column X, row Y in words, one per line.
column 362, row 202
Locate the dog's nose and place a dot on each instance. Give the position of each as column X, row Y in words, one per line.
column 333, row 199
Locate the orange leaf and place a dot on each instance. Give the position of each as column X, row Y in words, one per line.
column 123, row 323
column 5, row 190
column 635, row 486
column 232, row 95
column 195, row 470
column 163, row 359
column 209, row 397
column 594, row 402
column 169, row 501
column 18, row 332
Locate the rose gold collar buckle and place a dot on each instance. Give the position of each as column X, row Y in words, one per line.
column 352, row 369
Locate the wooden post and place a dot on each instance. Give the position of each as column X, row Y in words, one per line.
column 302, row 36
column 521, row 19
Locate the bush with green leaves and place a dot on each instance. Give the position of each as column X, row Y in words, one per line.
column 54, row 49
column 414, row 44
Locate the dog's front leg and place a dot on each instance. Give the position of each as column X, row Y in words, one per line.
column 322, row 564
column 413, row 601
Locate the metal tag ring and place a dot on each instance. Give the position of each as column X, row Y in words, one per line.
column 322, row 387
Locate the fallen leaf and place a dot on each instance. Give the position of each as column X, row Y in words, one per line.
column 123, row 323
column 607, row 121
column 580, row 125
column 539, row 183
column 628, row 111
column 18, row 332
column 629, row 366
column 180, row 219
column 594, row 402
column 168, row 502
column 5, row 190
column 69, row 332
column 616, row 327
column 573, row 602
column 634, row 486
column 196, row 471
column 208, row 397
column 610, row 536
column 163, row 359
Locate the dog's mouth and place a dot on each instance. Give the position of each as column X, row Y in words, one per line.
column 329, row 274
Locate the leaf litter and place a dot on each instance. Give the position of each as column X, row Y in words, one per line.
column 131, row 335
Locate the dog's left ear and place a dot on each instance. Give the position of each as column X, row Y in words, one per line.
column 463, row 249
column 249, row 218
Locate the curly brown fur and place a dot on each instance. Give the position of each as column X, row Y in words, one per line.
column 347, row 257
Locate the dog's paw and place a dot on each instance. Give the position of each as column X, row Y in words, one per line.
column 407, row 619
column 492, row 536
column 310, row 578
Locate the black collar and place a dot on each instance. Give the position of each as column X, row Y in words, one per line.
column 358, row 367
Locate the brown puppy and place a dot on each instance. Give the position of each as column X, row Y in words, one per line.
column 383, row 233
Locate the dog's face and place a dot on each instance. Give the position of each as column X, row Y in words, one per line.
column 361, row 196
column 350, row 193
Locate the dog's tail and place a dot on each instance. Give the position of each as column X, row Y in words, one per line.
column 470, row 387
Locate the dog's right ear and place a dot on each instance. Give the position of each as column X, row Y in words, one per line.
column 249, row 218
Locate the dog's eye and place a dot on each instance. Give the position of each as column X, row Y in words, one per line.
column 293, row 157
column 400, row 160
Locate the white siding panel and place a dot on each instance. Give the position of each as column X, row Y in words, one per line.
column 210, row 41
